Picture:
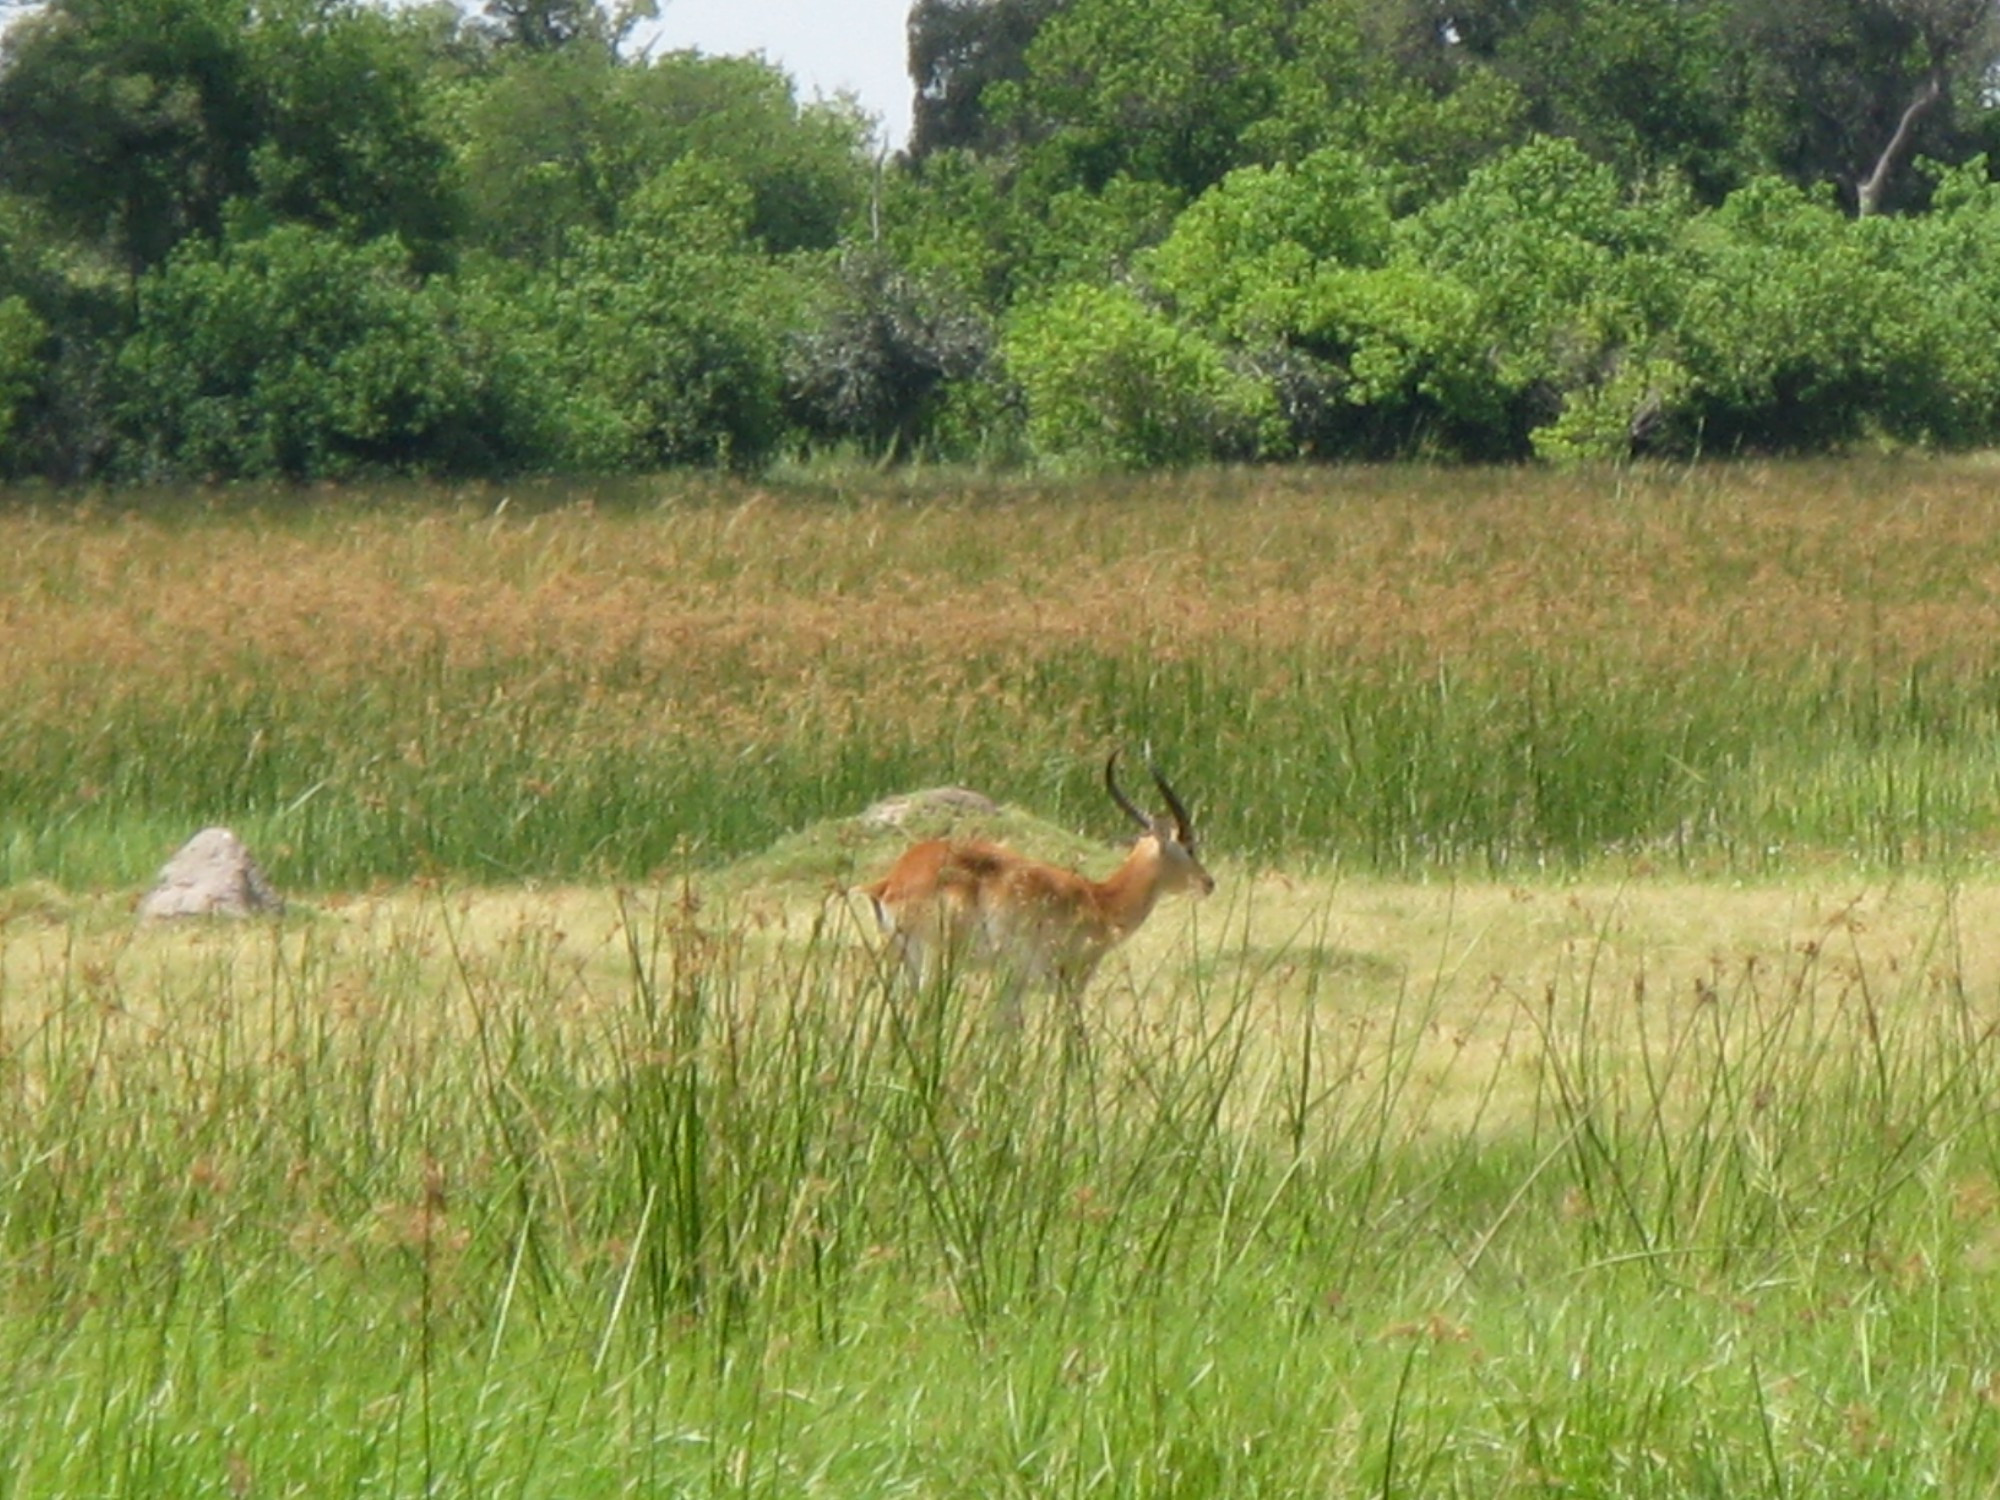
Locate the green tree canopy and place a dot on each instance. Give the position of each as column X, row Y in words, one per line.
column 295, row 354
column 958, row 50
column 133, row 121
column 338, row 237
column 558, row 141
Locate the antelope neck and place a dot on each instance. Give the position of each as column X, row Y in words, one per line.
column 1128, row 893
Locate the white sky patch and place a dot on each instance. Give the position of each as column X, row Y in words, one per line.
column 827, row 46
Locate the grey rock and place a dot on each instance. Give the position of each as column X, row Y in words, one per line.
column 211, row 875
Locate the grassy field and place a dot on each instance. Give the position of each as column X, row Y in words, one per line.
column 1731, row 670
column 1583, row 1080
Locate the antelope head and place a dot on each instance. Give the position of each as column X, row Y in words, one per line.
column 1180, row 868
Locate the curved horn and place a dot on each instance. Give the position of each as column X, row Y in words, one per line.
column 1111, row 786
column 1183, row 824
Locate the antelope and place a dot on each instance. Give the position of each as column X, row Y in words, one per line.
column 1035, row 923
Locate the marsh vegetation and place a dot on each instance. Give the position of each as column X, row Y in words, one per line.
column 1581, row 1078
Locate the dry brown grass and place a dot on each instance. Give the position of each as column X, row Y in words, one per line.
column 1455, row 991
column 1753, row 564
column 1413, row 665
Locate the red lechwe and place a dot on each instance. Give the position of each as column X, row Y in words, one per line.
column 947, row 902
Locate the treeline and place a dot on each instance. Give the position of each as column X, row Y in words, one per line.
column 329, row 238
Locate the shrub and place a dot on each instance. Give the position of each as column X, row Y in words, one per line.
column 1414, row 372
column 294, row 354
column 664, row 337
column 883, row 348
column 1239, row 256
column 1571, row 288
column 1110, row 382
column 21, row 336
column 1794, row 320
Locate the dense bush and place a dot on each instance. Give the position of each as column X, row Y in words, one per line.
column 1112, row 382
column 663, row 337
column 879, row 351
column 293, row 353
column 333, row 238
column 21, row 334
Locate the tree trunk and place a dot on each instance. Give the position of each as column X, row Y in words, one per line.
column 1868, row 196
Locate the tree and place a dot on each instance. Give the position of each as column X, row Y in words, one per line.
column 662, row 339
column 1569, row 282
column 879, row 353
column 557, row 143
column 134, row 121
column 295, row 354
column 1945, row 258
column 807, row 166
column 1954, row 37
column 1158, row 90
column 1850, row 91
column 958, row 50
column 551, row 25
column 1240, row 255
column 1112, row 383
column 1648, row 86
column 538, row 155
column 350, row 139
column 138, row 122
column 1784, row 320
column 21, row 337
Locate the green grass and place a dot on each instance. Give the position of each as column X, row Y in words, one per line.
column 412, row 1200
column 1742, row 671
column 566, row 1138
column 1391, row 770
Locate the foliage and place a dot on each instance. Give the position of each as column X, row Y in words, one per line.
column 1953, row 300
column 663, row 337
column 558, row 142
column 1237, row 260
column 1110, row 382
column 878, row 360
column 137, row 124
column 556, row 25
column 537, row 161
column 958, row 50
column 1567, row 229
column 294, row 354
column 1650, row 88
column 1564, row 272
column 134, row 121
column 350, row 141
column 1159, row 91
column 21, row 336
column 1799, row 331
column 1400, row 365
column 1834, row 80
